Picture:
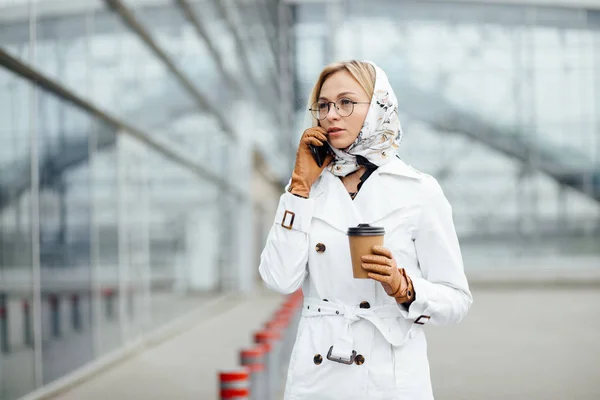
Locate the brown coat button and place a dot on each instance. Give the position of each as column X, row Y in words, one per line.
column 359, row 359
column 318, row 359
column 365, row 304
column 320, row 247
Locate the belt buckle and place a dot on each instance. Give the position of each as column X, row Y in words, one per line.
column 341, row 360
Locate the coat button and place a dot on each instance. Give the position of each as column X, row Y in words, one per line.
column 318, row 359
column 359, row 359
column 320, row 248
column 364, row 304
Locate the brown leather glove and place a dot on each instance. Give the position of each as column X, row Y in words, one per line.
column 382, row 268
column 306, row 170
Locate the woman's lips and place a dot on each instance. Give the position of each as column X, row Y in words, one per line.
column 336, row 133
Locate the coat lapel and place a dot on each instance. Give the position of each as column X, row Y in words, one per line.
column 380, row 195
column 333, row 203
column 384, row 192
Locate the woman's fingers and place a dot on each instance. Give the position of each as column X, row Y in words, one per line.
column 377, row 268
column 374, row 259
column 314, row 141
column 383, row 251
column 378, row 277
column 318, row 134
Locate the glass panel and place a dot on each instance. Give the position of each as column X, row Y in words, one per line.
column 16, row 289
column 99, row 58
column 220, row 36
column 130, row 81
column 105, row 254
column 520, row 99
column 184, row 249
column 175, row 35
column 65, row 216
column 129, row 238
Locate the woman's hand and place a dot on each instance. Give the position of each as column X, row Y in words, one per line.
column 382, row 267
column 306, row 170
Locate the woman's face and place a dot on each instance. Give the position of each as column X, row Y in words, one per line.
column 343, row 131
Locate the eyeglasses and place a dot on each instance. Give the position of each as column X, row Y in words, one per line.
column 344, row 107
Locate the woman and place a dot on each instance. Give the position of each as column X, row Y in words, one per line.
column 362, row 338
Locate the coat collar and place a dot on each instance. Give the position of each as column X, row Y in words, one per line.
column 395, row 167
column 334, row 205
column 399, row 168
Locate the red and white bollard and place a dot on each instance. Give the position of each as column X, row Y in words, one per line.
column 273, row 339
column 281, row 325
column 254, row 359
column 235, row 384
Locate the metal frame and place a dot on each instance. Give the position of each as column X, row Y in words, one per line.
column 193, row 19
column 266, row 20
column 36, row 269
column 428, row 107
column 191, row 16
column 578, row 4
column 145, row 36
column 286, row 80
column 239, row 42
column 496, row 13
column 38, row 79
column 499, row 12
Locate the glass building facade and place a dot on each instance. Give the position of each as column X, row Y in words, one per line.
column 128, row 136
column 499, row 102
column 144, row 143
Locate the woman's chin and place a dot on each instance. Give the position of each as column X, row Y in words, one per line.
column 340, row 144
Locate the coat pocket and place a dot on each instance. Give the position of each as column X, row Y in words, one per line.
column 312, row 375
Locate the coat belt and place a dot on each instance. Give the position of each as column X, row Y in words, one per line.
column 317, row 308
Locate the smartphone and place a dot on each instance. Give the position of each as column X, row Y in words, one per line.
column 319, row 153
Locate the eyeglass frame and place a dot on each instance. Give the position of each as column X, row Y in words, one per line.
column 337, row 110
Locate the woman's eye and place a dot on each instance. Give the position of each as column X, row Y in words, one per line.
column 322, row 106
column 345, row 102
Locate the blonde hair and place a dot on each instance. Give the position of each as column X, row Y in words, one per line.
column 363, row 72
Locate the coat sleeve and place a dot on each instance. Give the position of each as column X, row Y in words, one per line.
column 283, row 262
column 442, row 294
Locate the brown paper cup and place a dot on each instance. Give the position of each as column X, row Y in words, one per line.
column 362, row 239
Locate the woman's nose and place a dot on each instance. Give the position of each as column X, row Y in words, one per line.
column 332, row 114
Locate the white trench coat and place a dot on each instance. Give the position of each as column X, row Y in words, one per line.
column 315, row 254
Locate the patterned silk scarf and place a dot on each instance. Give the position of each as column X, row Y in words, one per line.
column 380, row 136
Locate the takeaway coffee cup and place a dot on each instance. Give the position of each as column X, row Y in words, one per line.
column 362, row 238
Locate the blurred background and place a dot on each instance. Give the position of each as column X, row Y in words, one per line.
column 144, row 145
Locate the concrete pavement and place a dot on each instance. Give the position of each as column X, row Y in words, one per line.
column 528, row 343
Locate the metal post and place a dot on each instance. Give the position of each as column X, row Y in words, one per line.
column 76, row 312
column 4, row 342
column 123, row 242
column 109, row 304
column 595, row 136
column 145, row 238
column 95, row 285
column 27, row 325
column 35, row 205
column 54, row 301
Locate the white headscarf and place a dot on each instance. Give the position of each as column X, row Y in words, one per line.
column 381, row 134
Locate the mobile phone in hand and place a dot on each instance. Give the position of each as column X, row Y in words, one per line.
column 319, row 153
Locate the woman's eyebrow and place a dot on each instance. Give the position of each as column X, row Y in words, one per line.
column 338, row 96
